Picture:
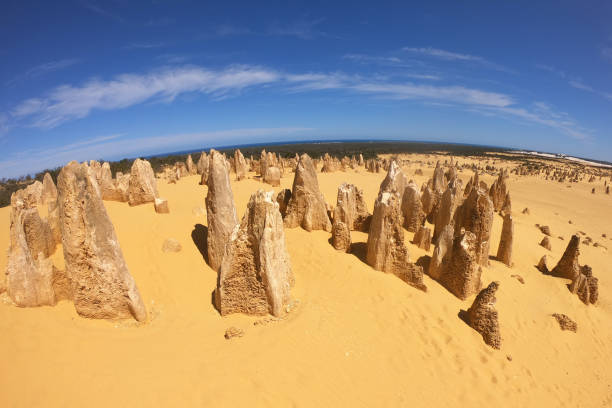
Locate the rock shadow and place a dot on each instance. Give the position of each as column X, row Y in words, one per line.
column 360, row 250
column 199, row 236
column 423, row 262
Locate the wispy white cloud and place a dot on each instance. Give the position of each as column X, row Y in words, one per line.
column 575, row 82
column 455, row 56
column 69, row 102
column 401, row 90
column 43, row 69
column 541, row 114
column 305, row 29
column 390, row 61
column 118, row 146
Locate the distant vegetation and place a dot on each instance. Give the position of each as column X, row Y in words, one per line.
column 314, row 149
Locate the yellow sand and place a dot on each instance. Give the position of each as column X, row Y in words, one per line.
column 357, row 337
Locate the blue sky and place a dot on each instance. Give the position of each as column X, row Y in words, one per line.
column 89, row 79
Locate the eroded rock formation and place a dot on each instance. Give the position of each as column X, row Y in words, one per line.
column 255, row 276
column 482, row 316
column 102, row 286
column 386, row 250
column 504, row 251
column 220, row 209
column 143, row 186
column 307, row 207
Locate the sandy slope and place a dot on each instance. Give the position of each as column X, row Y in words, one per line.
column 357, row 337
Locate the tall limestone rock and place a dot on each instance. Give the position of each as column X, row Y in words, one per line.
column 341, row 232
column 240, row 165
column 394, row 181
column 102, row 286
column 482, row 316
column 441, row 252
column 568, row 266
column 438, row 181
column 49, row 191
column 498, row 190
column 352, row 200
column 386, row 250
column 29, row 271
column 450, row 201
column 202, row 164
column 143, row 186
column 255, row 276
column 191, row 167
column 307, row 206
column 220, row 209
column 412, row 208
column 460, row 272
column 476, row 215
column 504, row 251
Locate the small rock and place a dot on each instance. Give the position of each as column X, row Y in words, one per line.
column 546, row 243
column 545, row 230
column 565, row 323
column 161, row 206
column 232, row 332
column 526, row 211
column 518, row 278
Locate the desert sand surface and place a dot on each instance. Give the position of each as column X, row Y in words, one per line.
column 354, row 336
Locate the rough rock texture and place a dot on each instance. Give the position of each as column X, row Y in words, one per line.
column 568, row 266
column 482, row 316
column 101, row 283
column 143, row 186
column 306, row 207
column 430, row 200
column 49, row 191
column 395, row 181
column 545, row 230
column 171, row 245
column 255, row 276
column 542, row 267
column 476, row 215
column 504, row 251
column 232, row 332
column 586, row 286
column 460, row 271
column 240, row 165
column 220, row 209
column 191, row 167
column 352, row 200
column 498, row 191
column 422, row 238
column 565, row 323
column 161, row 206
column 272, row 176
column 507, row 206
column 450, row 201
column 438, row 181
column 32, row 194
column 546, row 243
column 441, row 252
column 341, row 232
column 412, row 208
column 203, row 166
column 29, row 271
column 282, row 198
column 386, row 250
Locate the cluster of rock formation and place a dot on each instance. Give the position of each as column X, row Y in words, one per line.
column 96, row 278
column 350, row 214
column 583, row 284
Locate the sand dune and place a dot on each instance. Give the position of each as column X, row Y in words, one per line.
column 355, row 336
